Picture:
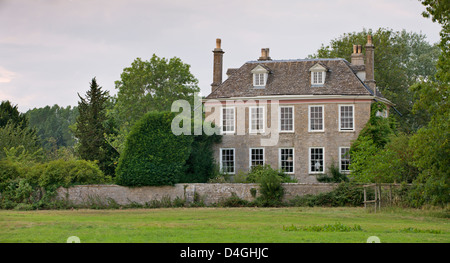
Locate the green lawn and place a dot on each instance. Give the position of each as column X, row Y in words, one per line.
column 198, row 225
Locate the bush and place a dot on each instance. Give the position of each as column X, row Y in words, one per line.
column 270, row 187
column 8, row 172
column 153, row 155
column 336, row 175
column 233, row 201
column 65, row 173
column 200, row 166
column 346, row 194
column 260, row 171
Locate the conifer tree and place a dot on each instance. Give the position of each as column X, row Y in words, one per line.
column 91, row 127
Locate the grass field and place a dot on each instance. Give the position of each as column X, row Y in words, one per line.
column 220, row 225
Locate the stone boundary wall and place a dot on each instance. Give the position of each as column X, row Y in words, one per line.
column 208, row 193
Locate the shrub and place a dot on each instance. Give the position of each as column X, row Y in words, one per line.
column 270, row 187
column 257, row 172
column 346, row 194
column 336, row 175
column 8, row 172
column 153, row 155
column 233, row 201
column 200, row 166
column 87, row 172
column 65, row 173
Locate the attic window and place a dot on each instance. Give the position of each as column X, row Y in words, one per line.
column 259, row 79
column 318, row 73
column 318, row 78
column 260, row 75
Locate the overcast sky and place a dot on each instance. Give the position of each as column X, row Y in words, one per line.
column 51, row 49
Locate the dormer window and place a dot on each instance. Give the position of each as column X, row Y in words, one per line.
column 259, row 79
column 260, row 75
column 318, row 78
column 318, row 73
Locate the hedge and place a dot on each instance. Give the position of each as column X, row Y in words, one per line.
column 153, row 155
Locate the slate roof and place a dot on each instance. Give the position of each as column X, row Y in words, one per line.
column 292, row 77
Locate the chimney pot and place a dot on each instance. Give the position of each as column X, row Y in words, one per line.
column 264, row 54
column 357, row 58
column 369, row 39
column 218, row 43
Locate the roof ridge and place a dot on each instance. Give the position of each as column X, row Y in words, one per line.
column 295, row 60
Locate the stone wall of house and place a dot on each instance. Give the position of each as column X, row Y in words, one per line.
column 208, row 193
column 301, row 140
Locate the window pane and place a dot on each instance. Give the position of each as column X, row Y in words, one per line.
column 345, row 159
column 259, row 79
column 286, row 119
column 346, row 117
column 316, row 158
column 287, row 160
column 257, row 119
column 228, row 119
column 256, row 157
column 228, row 160
column 317, row 78
column 316, row 118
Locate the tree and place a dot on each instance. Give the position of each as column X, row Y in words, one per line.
column 14, row 131
column 52, row 125
column 12, row 136
column 10, row 113
column 90, row 128
column 370, row 162
column 401, row 59
column 147, row 86
column 431, row 143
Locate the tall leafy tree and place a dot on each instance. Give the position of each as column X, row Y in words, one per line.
column 401, row 59
column 91, row 127
column 431, row 143
column 52, row 125
column 151, row 85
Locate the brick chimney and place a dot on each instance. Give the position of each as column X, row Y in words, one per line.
column 357, row 56
column 357, row 61
column 218, row 65
column 370, row 75
column 264, row 54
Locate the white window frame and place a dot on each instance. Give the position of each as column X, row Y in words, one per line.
column 250, row 128
column 250, row 157
column 320, row 80
column 340, row 117
column 234, row 160
column 279, row 119
column 234, row 120
column 257, row 79
column 309, row 118
column 340, row 160
column 293, row 159
column 323, row 160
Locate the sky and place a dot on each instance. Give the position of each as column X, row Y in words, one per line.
column 51, row 49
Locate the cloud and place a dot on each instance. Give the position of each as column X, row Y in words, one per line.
column 6, row 76
column 55, row 47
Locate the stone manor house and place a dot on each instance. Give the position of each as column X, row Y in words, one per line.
column 298, row 115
